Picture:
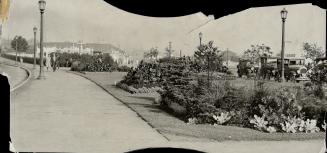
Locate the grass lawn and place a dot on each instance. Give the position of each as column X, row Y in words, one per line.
column 175, row 129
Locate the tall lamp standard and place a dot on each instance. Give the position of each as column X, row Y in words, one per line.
column 34, row 63
column 200, row 37
column 283, row 14
column 16, row 49
column 42, row 8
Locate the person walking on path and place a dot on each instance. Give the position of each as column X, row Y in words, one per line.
column 48, row 62
column 57, row 62
column 21, row 60
column 54, row 62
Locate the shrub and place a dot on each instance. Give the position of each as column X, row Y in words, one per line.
column 235, row 102
column 123, row 68
column 293, row 125
column 29, row 60
column 75, row 65
column 259, row 122
column 312, row 105
column 222, row 118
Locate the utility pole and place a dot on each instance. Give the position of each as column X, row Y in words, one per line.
column 208, row 58
column 227, row 57
column 169, row 48
column 16, row 51
column 180, row 53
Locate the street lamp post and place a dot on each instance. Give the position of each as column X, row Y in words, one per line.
column 200, row 37
column 42, row 8
column 16, row 48
column 227, row 57
column 283, row 14
column 169, row 50
column 34, row 62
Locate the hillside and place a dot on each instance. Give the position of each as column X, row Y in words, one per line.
column 232, row 56
column 96, row 46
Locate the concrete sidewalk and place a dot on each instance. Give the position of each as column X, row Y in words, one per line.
column 67, row 113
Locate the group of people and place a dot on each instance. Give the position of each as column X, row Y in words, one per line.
column 52, row 62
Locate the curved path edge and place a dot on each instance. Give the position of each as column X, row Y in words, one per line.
column 28, row 78
column 138, row 114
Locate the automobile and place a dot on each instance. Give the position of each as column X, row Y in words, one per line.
column 294, row 68
column 246, row 67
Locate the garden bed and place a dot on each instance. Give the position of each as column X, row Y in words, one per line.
column 176, row 129
column 133, row 90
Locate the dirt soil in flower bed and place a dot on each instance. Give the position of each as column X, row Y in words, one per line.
column 175, row 129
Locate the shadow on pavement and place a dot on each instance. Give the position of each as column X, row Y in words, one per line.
column 155, row 150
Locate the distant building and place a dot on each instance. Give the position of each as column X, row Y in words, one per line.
column 118, row 55
column 97, row 52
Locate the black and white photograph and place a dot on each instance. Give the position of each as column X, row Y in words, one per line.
column 90, row 76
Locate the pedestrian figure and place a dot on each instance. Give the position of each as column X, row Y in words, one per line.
column 54, row 62
column 48, row 62
column 57, row 62
column 21, row 60
column 70, row 62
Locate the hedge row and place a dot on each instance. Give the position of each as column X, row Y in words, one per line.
column 29, row 60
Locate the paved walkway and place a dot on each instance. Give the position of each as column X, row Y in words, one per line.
column 16, row 75
column 67, row 113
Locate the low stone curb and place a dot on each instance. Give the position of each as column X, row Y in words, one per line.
column 29, row 76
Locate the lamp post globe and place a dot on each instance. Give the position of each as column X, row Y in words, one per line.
column 283, row 14
column 42, row 4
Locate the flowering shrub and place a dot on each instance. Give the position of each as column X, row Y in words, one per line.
column 292, row 125
column 311, row 126
column 298, row 125
column 222, row 118
column 259, row 122
column 271, row 129
column 192, row 120
column 323, row 126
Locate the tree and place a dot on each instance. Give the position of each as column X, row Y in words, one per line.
column 312, row 51
column 207, row 56
column 19, row 44
column 153, row 53
column 318, row 75
column 256, row 52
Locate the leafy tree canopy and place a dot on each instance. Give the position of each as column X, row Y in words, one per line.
column 208, row 56
column 312, row 51
column 19, row 43
column 152, row 53
column 256, row 51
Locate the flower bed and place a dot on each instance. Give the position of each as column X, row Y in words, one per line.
column 133, row 90
column 91, row 63
column 282, row 110
column 187, row 95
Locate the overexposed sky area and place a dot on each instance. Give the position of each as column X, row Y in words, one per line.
column 97, row 21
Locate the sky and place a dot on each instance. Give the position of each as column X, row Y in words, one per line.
column 97, row 21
